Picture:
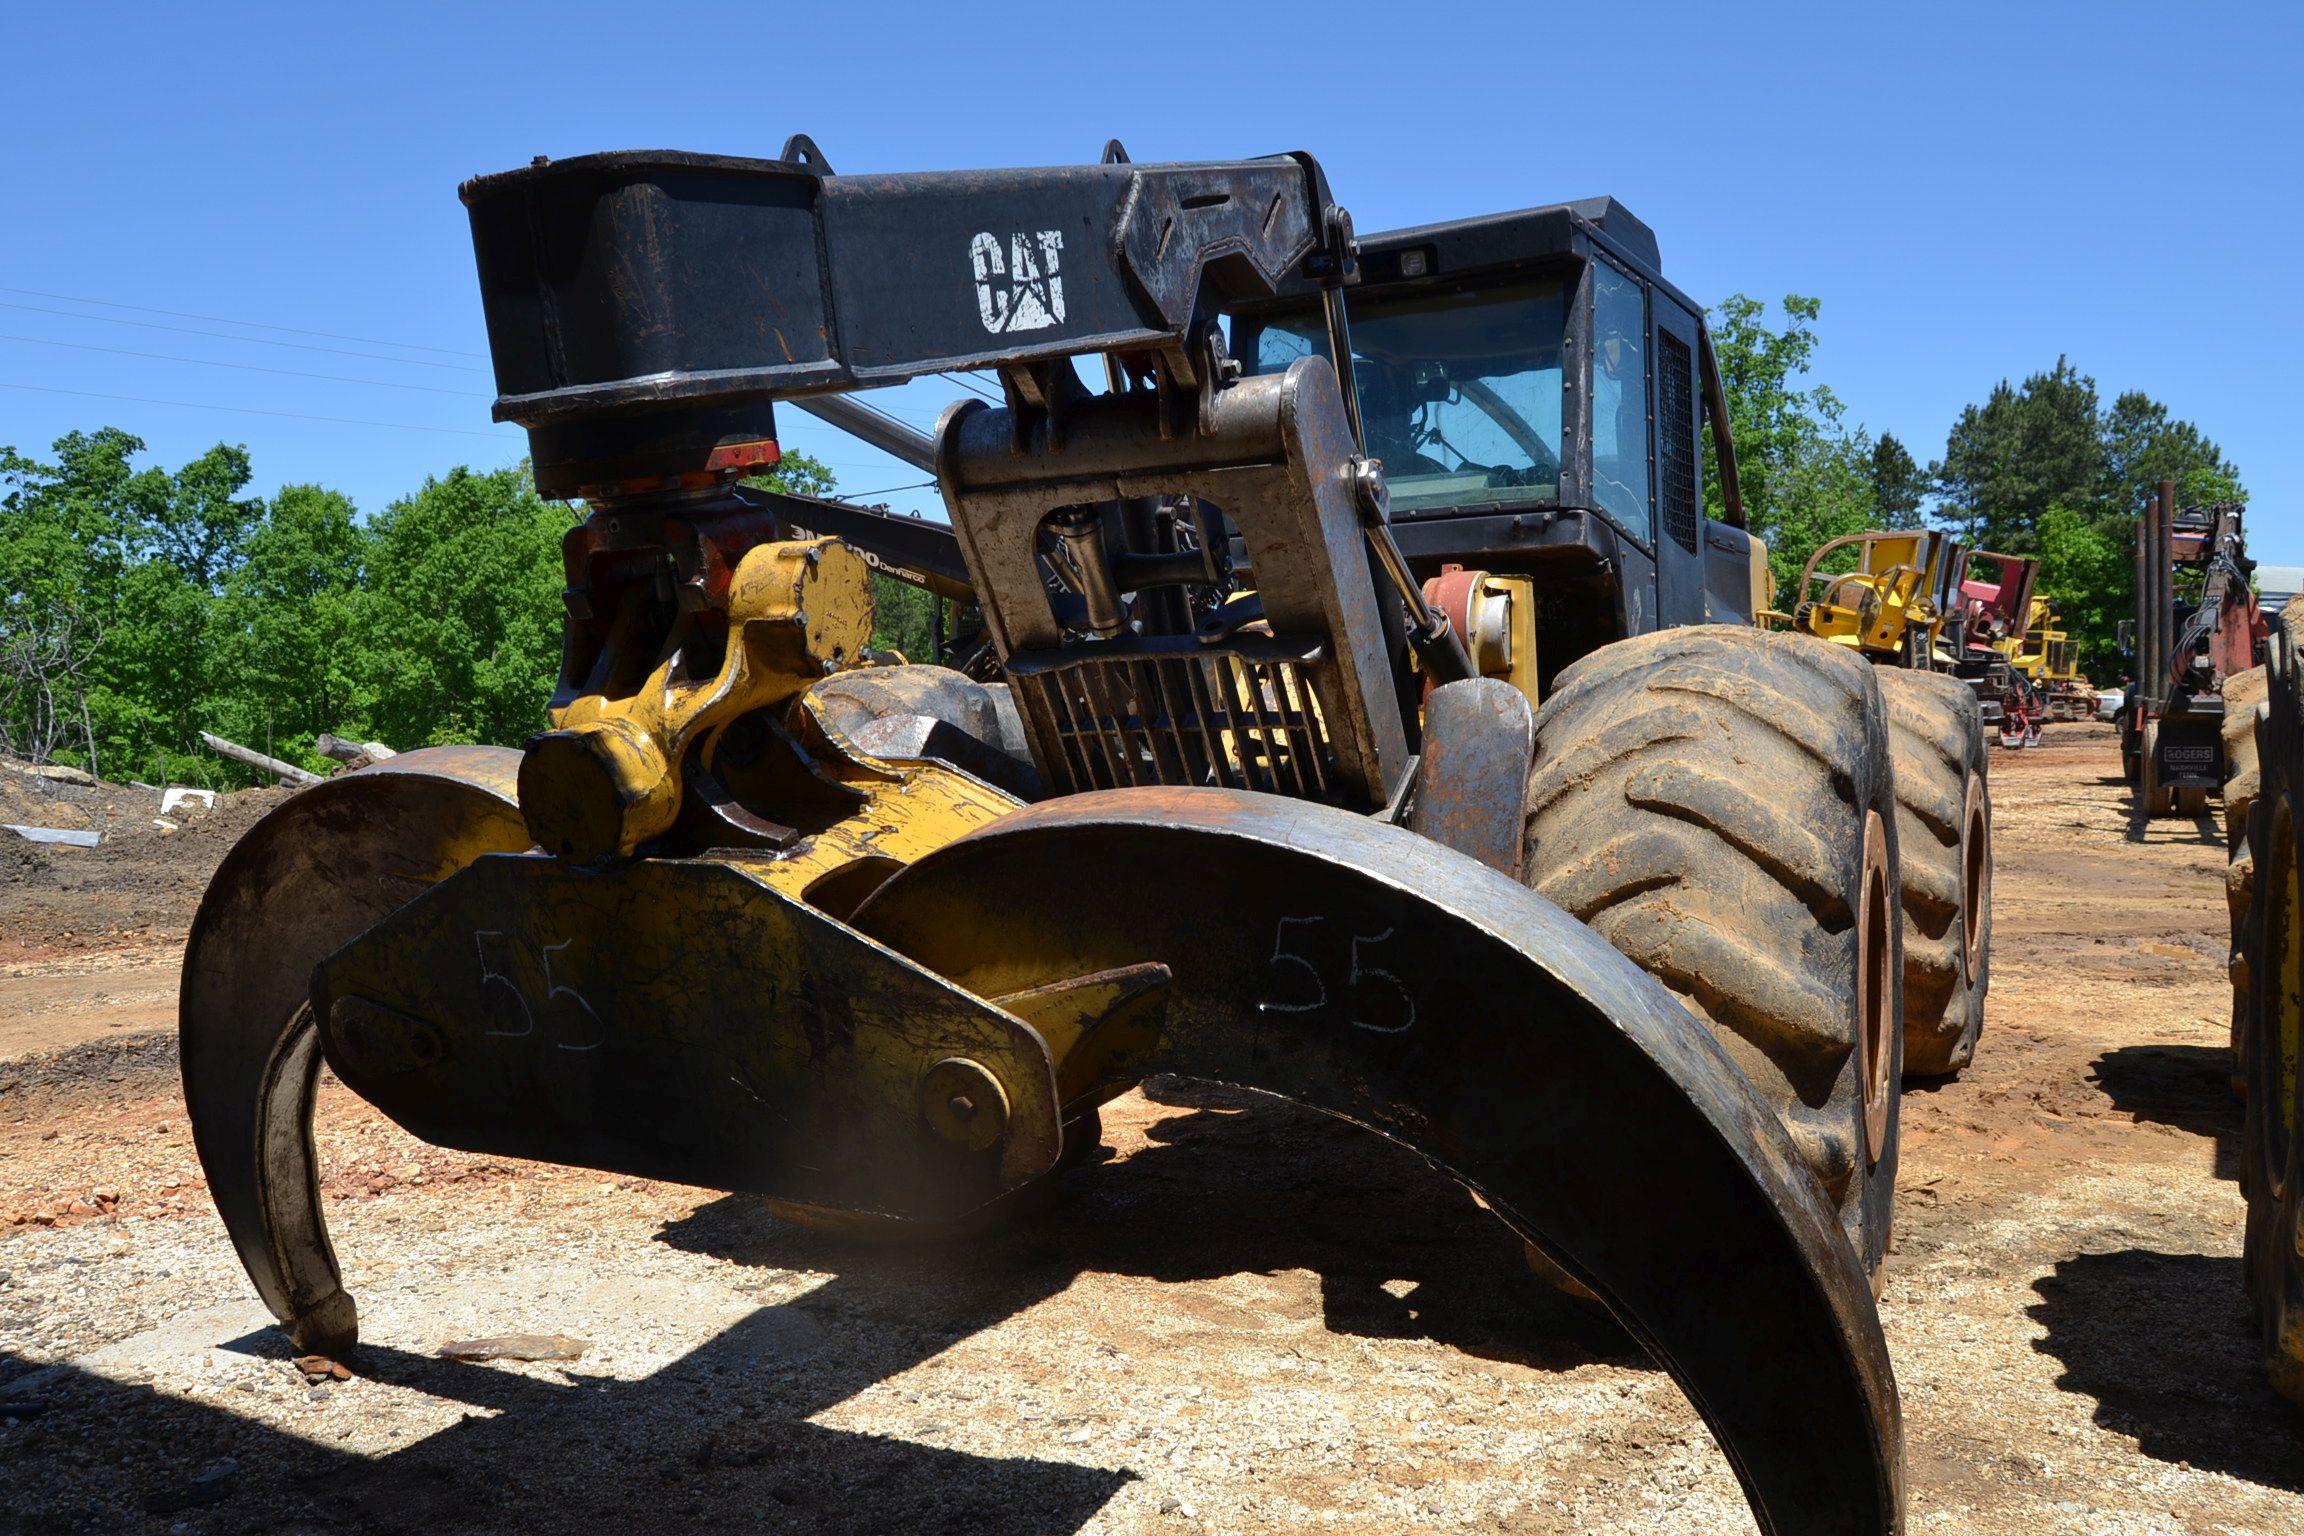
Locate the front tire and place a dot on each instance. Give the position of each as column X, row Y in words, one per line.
column 1717, row 802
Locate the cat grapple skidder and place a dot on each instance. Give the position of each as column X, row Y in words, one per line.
column 2186, row 646
column 1364, row 743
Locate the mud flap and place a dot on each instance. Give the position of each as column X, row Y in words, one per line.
column 321, row 868
column 1367, row 972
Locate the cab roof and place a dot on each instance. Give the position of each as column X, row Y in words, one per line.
column 1492, row 239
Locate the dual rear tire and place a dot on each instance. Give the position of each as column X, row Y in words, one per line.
column 1719, row 804
column 1944, row 842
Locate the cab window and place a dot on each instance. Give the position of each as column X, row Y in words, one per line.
column 1459, row 387
column 1620, row 485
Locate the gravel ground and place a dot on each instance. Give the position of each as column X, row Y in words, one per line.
column 1246, row 1318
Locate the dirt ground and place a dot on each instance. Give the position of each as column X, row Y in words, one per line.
column 1246, row 1319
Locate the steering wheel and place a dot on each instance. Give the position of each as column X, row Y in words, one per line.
column 1543, row 463
column 1505, row 475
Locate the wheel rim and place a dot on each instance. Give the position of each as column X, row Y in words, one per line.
column 1975, row 872
column 1874, row 982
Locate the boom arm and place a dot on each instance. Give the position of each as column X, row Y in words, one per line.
column 646, row 308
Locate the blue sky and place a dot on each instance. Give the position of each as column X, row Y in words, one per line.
column 1971, row 190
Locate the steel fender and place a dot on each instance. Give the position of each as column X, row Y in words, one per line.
column 317, row 871
column 1378, row 976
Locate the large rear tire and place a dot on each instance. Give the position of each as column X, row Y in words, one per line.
column 1944, row 846
column 1717, row 802
column 2272, row 1137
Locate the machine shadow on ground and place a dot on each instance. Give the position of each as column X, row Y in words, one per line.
column 1260, row 1186
column 1231, row 1183
column 2203, row 828
column 2128, row 1327
column 593, row 1454
column 2185, row 1086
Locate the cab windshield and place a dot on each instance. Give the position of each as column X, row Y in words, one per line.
column 1459, row 387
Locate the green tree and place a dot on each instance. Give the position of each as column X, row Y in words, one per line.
column 197, row 520
column 457, row 628
column 283, row 662
column 151, row 668
column 2088, row 570
column 61, row 542
column 181, row 534
column 1898, row 483
column 2021, row 452
column 1806, row 477
column 1767, row 415
column 903, row 619
column 796, row 474
column 2143, row 445
column 2024, row 454
column 126, row 561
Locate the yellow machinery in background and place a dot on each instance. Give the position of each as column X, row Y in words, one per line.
column 1892, row 605
column 2047, row 657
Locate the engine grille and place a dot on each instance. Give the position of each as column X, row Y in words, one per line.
column 1676, row 438
column 1238, row 716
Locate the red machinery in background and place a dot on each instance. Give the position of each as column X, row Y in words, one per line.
column 1991, row 614
column 2184, row 647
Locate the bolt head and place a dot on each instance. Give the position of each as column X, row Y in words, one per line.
column 964, row 1104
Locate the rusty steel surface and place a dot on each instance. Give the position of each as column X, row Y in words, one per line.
column 1370, row 973
column 327, row 868
column 1472, row 776
column 1270, row 450
column 670, row 1018
column 1496, row 618
column 681, row 1020
column 310, row 876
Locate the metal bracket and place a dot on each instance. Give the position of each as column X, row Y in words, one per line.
column 764, row 1047
column 608, row 776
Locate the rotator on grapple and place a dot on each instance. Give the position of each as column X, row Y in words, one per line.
column 1400, row 741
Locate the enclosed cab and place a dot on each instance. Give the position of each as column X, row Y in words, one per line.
column 1537, row 392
